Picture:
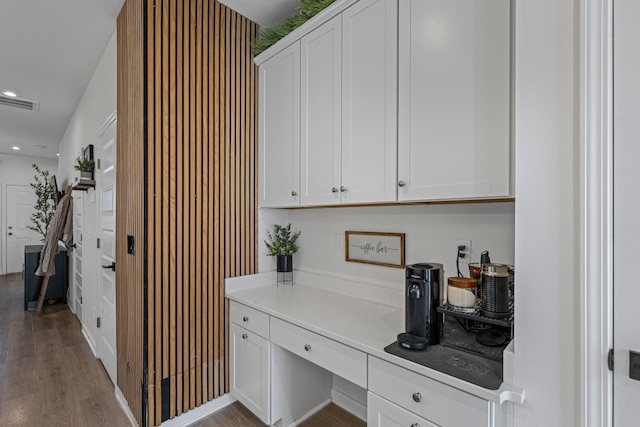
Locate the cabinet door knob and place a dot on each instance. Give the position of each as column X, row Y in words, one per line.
column 417, row 397
column 415, row 425
column 307, row 347
column 401, row 183
column 343, row 188
column 334, row 190
column 245, row 319
column 245, row 336
column 294, row 194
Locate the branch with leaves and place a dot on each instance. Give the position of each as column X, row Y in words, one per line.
column 282, row 241
column 45, row 202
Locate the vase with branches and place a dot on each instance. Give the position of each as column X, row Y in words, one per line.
column 45, row 202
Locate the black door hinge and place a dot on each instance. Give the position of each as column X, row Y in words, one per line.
column 610, row 360
column 98, row 322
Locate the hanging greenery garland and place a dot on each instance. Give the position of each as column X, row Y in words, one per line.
column 270, row 36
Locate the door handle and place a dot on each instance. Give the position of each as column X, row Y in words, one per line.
column 112, row 266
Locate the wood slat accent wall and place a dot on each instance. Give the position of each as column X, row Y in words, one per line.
column 130, row 217
column 200, row 201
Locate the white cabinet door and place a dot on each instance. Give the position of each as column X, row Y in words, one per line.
column 280, row 129
column 382, row 413
column 369, row 101
column 321, row 115
column 454, row 99
column 249, row 370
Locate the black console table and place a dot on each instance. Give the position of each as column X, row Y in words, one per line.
column 58, row 283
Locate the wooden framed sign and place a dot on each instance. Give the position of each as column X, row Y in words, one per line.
column 371, row 247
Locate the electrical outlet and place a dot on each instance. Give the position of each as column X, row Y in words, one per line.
column 465, row 254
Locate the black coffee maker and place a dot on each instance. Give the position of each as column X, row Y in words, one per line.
column 423, row 323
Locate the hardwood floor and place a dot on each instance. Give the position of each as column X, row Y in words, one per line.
column 48, row 375
column 236, row 415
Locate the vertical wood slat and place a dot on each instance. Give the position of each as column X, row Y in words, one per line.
column 201, row 89
column 130, row 205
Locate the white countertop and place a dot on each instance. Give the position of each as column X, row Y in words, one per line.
column 364, row 325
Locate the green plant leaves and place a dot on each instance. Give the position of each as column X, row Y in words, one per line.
column 45, row 202
column 270, row 36
column 282, row 241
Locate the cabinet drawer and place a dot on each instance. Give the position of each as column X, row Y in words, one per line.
column 338, row 358
column 382, row 413
column 250, row 319
column 427, row 398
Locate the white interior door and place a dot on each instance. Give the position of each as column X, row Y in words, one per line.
column 626, row 235
column 21, row 200
column 76, row 293
column 107, row 205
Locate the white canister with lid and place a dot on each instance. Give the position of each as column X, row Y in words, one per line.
column 461, row 293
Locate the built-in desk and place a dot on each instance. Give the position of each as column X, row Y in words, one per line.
column 315, row 331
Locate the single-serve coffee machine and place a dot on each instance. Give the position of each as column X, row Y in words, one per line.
column 423, row 323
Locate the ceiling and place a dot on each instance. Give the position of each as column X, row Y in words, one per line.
column 48, row 52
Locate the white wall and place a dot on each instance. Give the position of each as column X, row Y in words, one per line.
column 547, row 236
column 17, row 170
column 95, row 106
column 97, row 103
column 430, row 231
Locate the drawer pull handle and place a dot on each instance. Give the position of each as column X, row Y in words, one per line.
column 245, row 336
column 307, row 347
column 417, row 397
column 245, row 319
column 415, row 425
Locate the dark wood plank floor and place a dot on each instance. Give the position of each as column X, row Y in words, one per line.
column 48, row 375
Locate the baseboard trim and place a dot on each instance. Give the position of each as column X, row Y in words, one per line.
column 125, row 407
column 348, row 404
column 309, row 414
column 200, row 412
column 93, row 348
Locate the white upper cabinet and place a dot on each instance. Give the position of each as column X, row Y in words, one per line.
column 454, row 99
column 279, row 138
column 321, row 68
column 349, row 104
column 369, row 101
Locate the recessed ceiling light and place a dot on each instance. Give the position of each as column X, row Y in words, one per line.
column 9, row 93
column 16, row 148
column 58, row 154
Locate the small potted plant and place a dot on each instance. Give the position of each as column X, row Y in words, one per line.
column 282, row 244
column 85, row 166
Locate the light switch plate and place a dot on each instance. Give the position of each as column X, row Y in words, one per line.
column 634, row 365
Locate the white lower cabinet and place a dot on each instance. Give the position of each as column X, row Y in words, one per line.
column 433, row 401
column 249, row 370
column 282, row 373
column 382, row 413
column 250, row 361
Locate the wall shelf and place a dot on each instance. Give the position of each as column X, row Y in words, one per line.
column 84, row 184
